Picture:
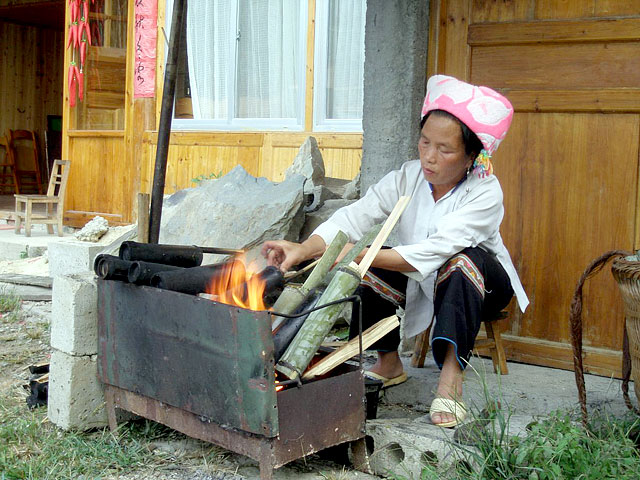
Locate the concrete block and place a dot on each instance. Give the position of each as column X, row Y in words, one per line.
column 68, row 256
column 403, row 447
column 74, row 314
column 76, row 396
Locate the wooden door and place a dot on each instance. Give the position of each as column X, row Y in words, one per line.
column 569, row 165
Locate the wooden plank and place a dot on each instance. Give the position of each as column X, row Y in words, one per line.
column 456, row 49
column 596, row 100
column 608, row 8
column 352, row 347
column 549, row 9
column 96, row 134
column 520, row 10
column 434, row 47
column 534, row 351
column 579, row 31
column 78, row 219
column 211, row 138
column 557, row 66
column 309, row 80
column 576, row 185
column 325, row 140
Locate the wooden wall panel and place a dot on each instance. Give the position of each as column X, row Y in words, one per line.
column 31, row 68
column 569, row 166
column 261, row 154
column 568, row 198
column 502, row 11
column 98, row 182
column 558, row 66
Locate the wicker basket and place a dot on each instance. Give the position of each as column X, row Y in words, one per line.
column 626, row 271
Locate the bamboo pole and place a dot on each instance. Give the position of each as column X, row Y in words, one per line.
column 305, row 344
column 354, row 252
column 352, row 347
column 291, row 298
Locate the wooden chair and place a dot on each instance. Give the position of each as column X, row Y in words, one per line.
column 7, row 167
column 24, row 149
column 493, row 342
column 54, row 196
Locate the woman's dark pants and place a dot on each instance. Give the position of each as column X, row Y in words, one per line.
column 471, row 286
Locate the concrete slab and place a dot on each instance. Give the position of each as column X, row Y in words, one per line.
column 403, row 443
column 27, row 292
column 14, row 246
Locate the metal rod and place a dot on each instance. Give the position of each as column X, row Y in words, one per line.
column 164, row 128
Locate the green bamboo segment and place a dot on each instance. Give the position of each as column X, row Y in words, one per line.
column 316, row 277
column 354, row 252
column 291, row 298
column 307, row 341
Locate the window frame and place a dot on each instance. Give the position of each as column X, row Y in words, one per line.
column 320, row 66
column 232, row 123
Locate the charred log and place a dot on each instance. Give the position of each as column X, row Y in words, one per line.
column 290, row 326
column 141, row 273
column 110, row 267
column 192, row 280
column 178, row 255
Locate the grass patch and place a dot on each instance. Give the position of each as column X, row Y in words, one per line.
column 10, row 306
column 32, row 448
column 554, row 448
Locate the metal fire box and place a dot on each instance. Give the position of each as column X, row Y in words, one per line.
column 207, row 370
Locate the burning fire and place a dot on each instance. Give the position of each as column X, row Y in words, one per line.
column 239, row 285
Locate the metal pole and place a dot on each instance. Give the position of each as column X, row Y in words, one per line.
column 164, row 128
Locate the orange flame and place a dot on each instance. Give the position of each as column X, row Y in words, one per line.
column 239, row 285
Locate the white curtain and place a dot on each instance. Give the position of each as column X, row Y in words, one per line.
column 267, row 53
column 345, row 59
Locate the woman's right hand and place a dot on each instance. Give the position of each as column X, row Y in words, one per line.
column 283, row 254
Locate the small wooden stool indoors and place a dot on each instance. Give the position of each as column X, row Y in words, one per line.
column 493, row 342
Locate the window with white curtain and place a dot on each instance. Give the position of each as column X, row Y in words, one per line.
column 339, row 65
column 242, row 65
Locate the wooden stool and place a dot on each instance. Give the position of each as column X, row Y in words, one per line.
column 493, row 342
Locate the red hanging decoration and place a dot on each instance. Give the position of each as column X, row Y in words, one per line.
column 78, row 40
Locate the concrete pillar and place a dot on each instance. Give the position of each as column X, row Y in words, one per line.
column 395, row 80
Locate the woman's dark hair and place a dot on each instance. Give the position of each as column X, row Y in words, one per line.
column 472, row 143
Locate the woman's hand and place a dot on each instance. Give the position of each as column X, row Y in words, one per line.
column 284, row 254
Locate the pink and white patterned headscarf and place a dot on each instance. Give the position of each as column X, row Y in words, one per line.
column 487, row 113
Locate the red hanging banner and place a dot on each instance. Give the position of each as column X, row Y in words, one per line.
column 146, row 33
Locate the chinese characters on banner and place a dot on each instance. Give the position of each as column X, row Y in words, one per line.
column 145, row 48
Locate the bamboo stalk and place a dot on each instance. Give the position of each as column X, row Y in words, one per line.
column 354, row 252
column 352, row 347
column 305, row 344
column 290, row 298
column 391, row 221
column 326, row 261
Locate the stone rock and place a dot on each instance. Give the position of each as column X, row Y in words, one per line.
column 352, row 189
column 309, row 164
column 314, row 219
column 235, row 211
column 93, row 230
column 316, row 199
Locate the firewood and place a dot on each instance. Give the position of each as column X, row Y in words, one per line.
column 391, row 221
column 352, row 347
